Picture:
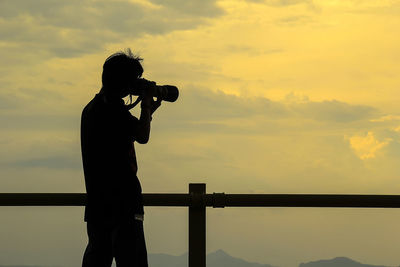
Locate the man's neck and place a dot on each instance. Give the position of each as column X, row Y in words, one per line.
column 109, row 98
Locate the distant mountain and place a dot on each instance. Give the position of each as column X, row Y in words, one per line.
column 218, row 258
column 165, row 260
column 337, row 262
column 28, row 266
column 221, row 258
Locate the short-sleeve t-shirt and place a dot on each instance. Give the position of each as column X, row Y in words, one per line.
column 108, row 132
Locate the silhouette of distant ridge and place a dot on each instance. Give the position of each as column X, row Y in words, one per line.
column 215, row 259
column 29, row 266
column 337, row 262
column 220, row 258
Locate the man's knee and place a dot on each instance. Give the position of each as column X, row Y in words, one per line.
column 97, row 256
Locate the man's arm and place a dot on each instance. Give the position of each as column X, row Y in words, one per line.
column 143, row 133
column 148, row 106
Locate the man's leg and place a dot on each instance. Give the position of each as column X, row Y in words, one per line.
column 98, row 252
column 129, row 244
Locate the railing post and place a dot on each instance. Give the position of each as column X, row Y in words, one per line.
column 197, row 226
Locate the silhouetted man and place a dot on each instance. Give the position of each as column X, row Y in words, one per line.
column 114, row 210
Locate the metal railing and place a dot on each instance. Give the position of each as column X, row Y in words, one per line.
column 197, row 200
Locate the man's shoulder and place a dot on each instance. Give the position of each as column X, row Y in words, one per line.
column 93, row 105
column 116, row 111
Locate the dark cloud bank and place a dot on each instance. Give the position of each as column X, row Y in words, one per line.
column 205, row 105
column 201, row 112
column 75, row 27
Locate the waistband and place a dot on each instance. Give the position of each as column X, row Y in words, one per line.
column 139, row 217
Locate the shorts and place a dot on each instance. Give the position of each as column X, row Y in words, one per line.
column 123, row 240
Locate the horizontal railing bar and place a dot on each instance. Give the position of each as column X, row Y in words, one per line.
column 42, row 199
column 306, row 200
column 79, row 199
column 215, row 200
column 176, row 200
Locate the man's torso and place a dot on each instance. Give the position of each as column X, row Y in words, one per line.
column 107, row 135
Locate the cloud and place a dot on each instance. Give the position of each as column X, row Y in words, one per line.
column 196, row 110
column 35, row 146
column 51, row 162
column 49, row 121
column 202, row 127
column 287, row 2
column 72, row 28
column 200, row 105
column 334, row 111
column 22, row 97
column 8, row 101
column 366, row 147
column 294, row 20
column 207, row 8
column 361, row 4
column 387, row 118
column 250, row 50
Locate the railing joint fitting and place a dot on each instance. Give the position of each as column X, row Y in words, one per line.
column 219, row 200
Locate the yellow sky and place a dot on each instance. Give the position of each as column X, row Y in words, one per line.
column 277, row 96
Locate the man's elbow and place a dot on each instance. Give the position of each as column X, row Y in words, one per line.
column 143, row 139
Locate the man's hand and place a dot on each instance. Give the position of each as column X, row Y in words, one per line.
column 147, row 97
column 155, row 104
column 149, row 103
column 148, row 106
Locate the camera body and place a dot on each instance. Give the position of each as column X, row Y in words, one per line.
column 168, row 93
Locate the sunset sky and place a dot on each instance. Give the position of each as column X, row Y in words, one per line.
column 276, row 96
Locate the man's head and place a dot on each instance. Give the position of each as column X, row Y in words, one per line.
column 120, row 72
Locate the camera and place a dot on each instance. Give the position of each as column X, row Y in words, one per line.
column 168, row 93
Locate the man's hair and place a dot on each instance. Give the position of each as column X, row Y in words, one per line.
column 121, row 68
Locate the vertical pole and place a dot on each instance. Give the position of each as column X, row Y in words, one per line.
column 197, row 226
